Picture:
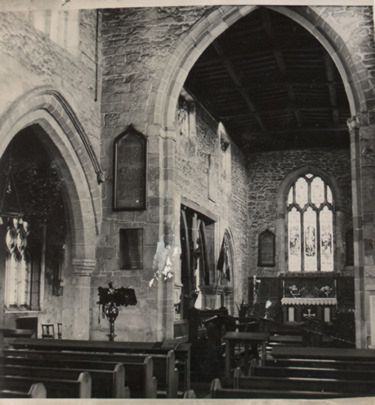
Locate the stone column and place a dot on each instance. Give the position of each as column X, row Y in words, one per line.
column 76, row 315
column 169, row 219
column 362, row 138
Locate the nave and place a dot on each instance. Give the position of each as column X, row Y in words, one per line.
column 187, row 201
column 251, row 357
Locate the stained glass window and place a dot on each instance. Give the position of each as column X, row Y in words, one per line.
column 326, row 239
column 301, row 192
column 310, row 225
column 294, row 245
column 309, row 233
column 17, row 266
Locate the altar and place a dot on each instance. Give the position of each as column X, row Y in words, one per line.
column 310, row 297
column 297, row 298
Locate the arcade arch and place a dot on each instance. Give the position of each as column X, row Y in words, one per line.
column 39, row 114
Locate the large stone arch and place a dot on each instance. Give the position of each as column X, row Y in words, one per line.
column 60, row 131
column 196, row 41
column 41, row 108
column 358, row 88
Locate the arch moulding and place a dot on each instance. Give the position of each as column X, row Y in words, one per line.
column 205, row 31
column 42, row 109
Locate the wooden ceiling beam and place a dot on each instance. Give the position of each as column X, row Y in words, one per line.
column 276, row 111
column 271, row 84
column 332, row 88
column 280, row 62
column 237, row 83
column 312, row 130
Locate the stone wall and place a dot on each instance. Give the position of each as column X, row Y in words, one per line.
column 266, row 174
column 352, row 30
column 146, row 56
column 31, row 61
column 136, row 45
column 216, row 181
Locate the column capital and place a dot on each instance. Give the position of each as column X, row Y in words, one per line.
column 353, row 123
column 83, row 267
column 168, row 134
column 359, row 120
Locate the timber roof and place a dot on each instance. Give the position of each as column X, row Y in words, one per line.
column 272, row 85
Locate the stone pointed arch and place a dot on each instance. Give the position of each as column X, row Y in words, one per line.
column 233, row 287
column 291, row 177
column 205, row 31
column 281, row 233
column 63, row 136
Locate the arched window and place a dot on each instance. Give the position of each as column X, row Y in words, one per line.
column 310, row 209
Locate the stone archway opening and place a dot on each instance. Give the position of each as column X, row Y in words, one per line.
column 341, row 80
column 36, row 230
column 57, row 128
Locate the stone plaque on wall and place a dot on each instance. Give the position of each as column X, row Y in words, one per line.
column 266, row 249
column 131, row 249
column 129, row 179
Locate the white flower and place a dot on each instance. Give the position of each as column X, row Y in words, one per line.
column 163, row 262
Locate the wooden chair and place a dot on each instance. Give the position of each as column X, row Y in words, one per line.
column 59, row 330
column 48, row 331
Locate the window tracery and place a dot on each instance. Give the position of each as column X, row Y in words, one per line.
column 310, row 219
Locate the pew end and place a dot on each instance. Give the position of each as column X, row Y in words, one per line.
column 189, row 394
column 37, row 390
column 215, row 386
column 85, row 385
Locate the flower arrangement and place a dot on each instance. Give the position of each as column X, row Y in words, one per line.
column 163, row 263
column 326, row 290
column 295, row 291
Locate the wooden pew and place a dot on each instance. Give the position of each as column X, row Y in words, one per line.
column 141, row 380
column 217, row 391
column 164, row 360
column 183, row 361
column 288, row 352
column 165, row 372
column 105, row 383
column 323, row 363
column 313, row 372
column 279, row 340
column 114, row 388
column 303, row 384
column 189, row 394
column 17, row 333
column 182, row 350
column 37, row 390
column 138, row 369
column 56, row 388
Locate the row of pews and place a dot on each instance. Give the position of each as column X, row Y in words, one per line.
column 304, row 373
column 91, row 369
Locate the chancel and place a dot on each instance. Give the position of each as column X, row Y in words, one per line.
column 187, row 201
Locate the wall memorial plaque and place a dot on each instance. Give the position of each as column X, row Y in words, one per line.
column 131, row 249
column 266, row 249
column 129, row 179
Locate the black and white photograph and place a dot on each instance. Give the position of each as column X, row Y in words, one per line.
column 187, row 200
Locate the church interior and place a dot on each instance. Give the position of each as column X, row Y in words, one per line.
column 187, row 202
